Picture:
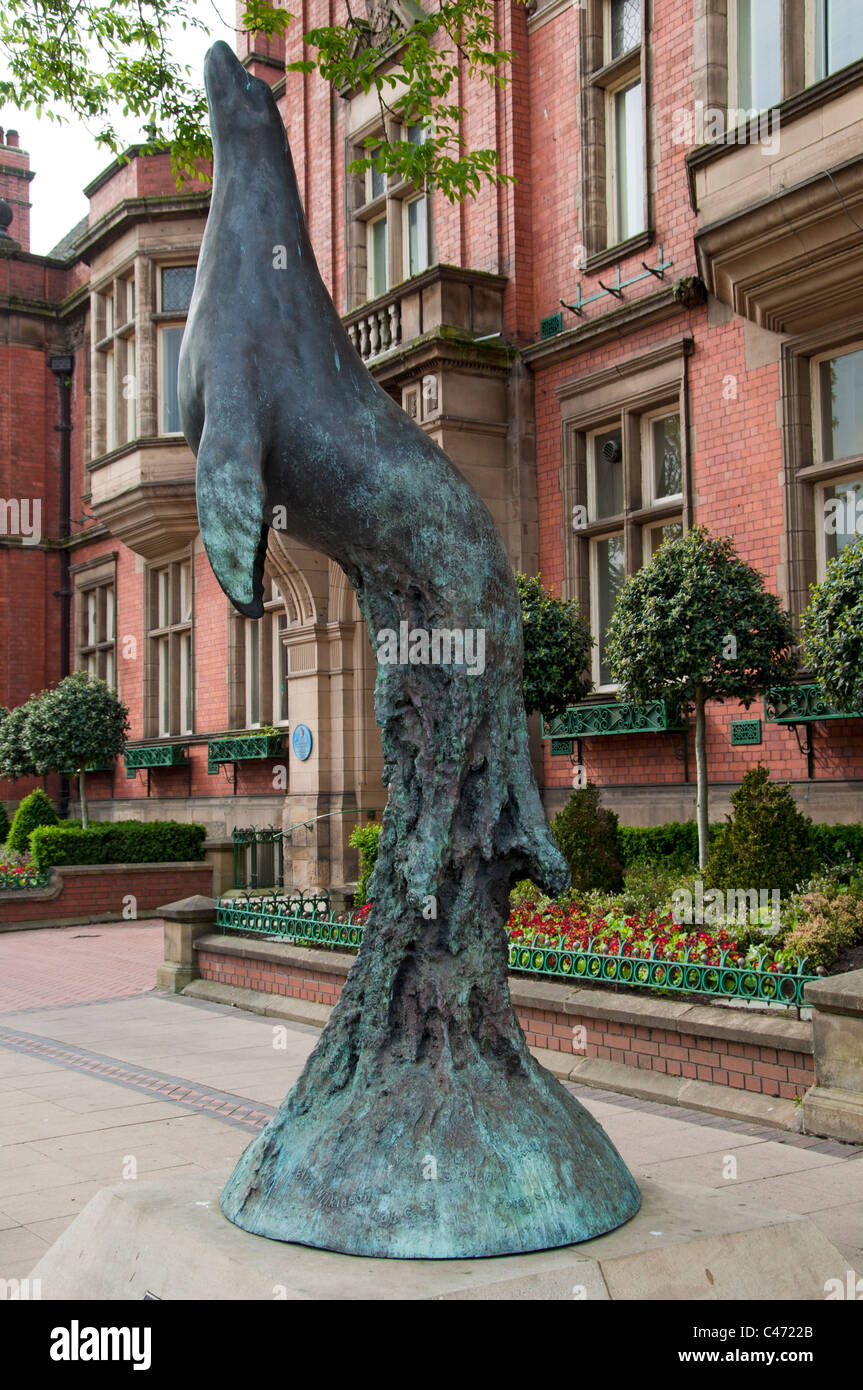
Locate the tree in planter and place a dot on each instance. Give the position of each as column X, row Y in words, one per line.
column 78, row 721
column 557, row 643
column 15, row 760
column 696, row 624
column 832, row 628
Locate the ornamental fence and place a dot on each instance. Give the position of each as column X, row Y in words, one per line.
column 309, row 920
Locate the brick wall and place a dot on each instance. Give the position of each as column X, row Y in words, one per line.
column 88, row 893
column 746, row 1066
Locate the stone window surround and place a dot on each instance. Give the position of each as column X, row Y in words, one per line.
column 803, row 473
column 624, row 393
column 237, row 705
column 152, row 633
column 361, row 210
column 99, row 573
column 145, row 270
column 598, row 79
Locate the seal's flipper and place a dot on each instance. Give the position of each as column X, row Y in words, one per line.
column 231, row 496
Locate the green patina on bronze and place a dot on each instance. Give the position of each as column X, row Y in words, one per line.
column 421, row 1126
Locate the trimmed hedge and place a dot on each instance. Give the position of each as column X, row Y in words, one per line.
column 676, row 843
column 118, row 842
column 834, row 844
column 4, row 824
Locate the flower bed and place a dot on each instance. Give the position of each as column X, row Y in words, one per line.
column 23, row 876
column 650, row 937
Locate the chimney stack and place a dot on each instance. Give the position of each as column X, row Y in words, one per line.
column 15, row 178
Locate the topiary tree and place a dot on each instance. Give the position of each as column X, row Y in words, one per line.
column 832, row 628
column 557, row 643
column 766, row 842
column 587, row 835
column 79, row 721
column 15, row 761
column 34, row 810
column 696, row 624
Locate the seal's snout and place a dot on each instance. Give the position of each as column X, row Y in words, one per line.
column 229, row 87
column 221, row 62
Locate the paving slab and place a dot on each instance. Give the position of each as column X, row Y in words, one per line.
column 171, row 1239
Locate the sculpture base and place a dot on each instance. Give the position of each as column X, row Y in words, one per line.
column 170, row 1239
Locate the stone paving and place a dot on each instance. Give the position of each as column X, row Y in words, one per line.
column 81, row 964
column 116, row 1081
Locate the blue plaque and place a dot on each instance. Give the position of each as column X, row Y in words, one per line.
column 302, row 742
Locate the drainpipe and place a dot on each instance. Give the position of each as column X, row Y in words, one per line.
column 62, row 367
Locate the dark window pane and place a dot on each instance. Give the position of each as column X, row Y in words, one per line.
column 178, row 281
column 668, row 474
column 608, row 474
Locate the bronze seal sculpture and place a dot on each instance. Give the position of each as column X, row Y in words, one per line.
column 421, row 1126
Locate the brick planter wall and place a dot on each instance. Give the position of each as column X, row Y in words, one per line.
column 85, row 893
column 771, row 1071
column 764, row 1053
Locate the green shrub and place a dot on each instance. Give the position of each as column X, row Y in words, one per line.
column 765, row 843
column 34, row 810
column 118, row 842
column 4, row 824
column 587, row 835
column 826, row 927
column 365, row 838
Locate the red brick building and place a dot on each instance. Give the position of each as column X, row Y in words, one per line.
column 660, row 322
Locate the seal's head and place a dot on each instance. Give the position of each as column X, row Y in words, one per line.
column 241, row 106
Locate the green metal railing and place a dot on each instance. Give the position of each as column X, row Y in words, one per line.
column 801, row 704
column 155, row 755
column 254, row 854
column 721, row 981
column 309, row 920
column 29, row 878
column 243, row 748
column 295, row 916
column 259, row 857
column 620, row 717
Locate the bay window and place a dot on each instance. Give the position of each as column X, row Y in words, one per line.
column 389, row 237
